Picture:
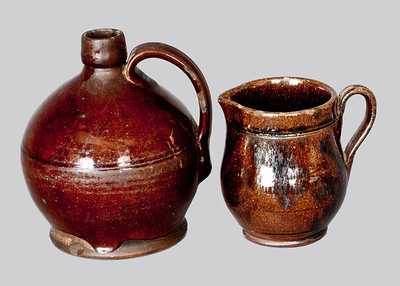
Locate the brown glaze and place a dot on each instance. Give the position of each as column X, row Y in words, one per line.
column 111, row 156
column 284, row 174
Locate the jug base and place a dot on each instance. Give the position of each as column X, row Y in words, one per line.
column 287, row 240
column 74, row 245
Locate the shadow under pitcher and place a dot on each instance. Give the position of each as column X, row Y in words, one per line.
column 284, row 173
column 111, row 158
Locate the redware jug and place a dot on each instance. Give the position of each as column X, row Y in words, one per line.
column 111, row 158
column 284, row 173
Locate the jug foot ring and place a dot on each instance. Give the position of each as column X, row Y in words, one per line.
column 74, row 245
column 289, row 240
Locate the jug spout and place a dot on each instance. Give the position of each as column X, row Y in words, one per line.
column 103, row 48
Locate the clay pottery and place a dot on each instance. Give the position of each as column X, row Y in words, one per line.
column 284, row 173
column 111, row 158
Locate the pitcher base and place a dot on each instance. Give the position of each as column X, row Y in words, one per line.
column 289, row 240
column 74, row 245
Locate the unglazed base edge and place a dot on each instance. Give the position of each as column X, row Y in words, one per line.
column 289, row 240
column 74, row 245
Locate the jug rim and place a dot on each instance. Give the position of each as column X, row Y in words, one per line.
column 291, row 121
column 103, row 48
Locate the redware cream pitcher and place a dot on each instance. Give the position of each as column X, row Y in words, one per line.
column 284, row 173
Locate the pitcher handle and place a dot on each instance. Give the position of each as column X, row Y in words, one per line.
column 183, row 62
column 365, row 126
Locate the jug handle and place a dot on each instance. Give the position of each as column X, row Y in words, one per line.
column 183, row 62
column 365, row 126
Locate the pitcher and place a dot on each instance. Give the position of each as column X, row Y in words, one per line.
column 284, row 173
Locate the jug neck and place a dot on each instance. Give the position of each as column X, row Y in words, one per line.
column 103, row 48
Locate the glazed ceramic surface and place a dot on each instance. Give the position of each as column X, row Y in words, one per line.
column 284, row 174
column 112, row 157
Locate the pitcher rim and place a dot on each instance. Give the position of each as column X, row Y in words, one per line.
column 279, row 122
column 228, row 94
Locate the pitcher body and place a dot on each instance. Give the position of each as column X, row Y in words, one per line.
column 284, row 173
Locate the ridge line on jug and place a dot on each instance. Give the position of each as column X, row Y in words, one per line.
column 112, row 166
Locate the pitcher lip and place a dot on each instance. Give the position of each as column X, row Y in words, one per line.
column 262, row 121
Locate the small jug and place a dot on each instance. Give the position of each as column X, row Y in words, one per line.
column 284, row 173
column 111, row 158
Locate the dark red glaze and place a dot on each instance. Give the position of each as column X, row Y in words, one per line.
column 112, row 156
column 284, row 174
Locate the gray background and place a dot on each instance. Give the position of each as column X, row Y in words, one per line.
column 338, row 42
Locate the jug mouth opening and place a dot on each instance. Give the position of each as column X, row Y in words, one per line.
column 102, row 33
column 280, row 104
column 103, row 48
